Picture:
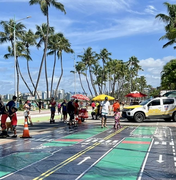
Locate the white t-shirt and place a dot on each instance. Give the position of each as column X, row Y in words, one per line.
column 105, row 106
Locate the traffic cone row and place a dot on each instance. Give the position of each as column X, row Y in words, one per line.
column 26, row 130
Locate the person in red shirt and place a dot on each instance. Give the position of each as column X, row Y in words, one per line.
column 76, row 107
column 93, row 105
column 115, row 106
column 53, row 109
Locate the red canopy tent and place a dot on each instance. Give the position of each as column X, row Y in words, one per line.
column 80, row 97
column 135, row 94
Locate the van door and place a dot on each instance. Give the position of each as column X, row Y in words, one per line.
column 155, row 109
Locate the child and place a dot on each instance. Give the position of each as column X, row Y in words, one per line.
column 117, row 116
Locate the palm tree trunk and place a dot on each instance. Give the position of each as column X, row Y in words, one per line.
column 44, row 55
column 60, row 76
column 88, row 85
column 46, row 78
column 53, row 71
column 81, row 83
column 91, row 78
column 18, row 67
column 30, row 77
column 17, row 72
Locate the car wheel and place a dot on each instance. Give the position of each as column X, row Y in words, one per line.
column 167, row 119
column 174, row 116
column 139, row 117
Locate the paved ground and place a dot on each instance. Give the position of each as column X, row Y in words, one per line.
column 142, row 151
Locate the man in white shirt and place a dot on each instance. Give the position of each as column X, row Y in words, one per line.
column 104, row 109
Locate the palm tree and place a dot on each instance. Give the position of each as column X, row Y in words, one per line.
column 80, row 68
column 29, row 39
column 170, row 21
column 42, row 34
column 54, row 47
column 44, row 6
column 104, row 56
column 22, row 53
column 7, row 35
column 88, row 58
column 64, row 45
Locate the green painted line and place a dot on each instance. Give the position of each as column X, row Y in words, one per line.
column 14, row 162
column 144, row 131
column 122, row 163
column 80, row 135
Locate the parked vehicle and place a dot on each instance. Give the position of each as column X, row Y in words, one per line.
column 157, row 108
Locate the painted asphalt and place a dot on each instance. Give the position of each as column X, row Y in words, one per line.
column 90, row 152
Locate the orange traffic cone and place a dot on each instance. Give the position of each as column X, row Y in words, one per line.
column 26, row 130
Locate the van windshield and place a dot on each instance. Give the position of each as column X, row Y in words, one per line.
column 145, row 102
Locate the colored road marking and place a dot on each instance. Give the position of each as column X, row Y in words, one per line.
column 16, row 161
column 72, row 139
column 123, row 162
column 135, row 142
column 72, row 158
column 144, row 131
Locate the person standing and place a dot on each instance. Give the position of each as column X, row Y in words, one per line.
column 117, row 116
column 11, row 107
column 104, row 109
column 71, row 110
column 93, row 105
column 4, row 115
column 59, row 108
column 76, row 107
column 53, row 109
column 64, row 110
column 115, row 106
column 27, row 115
column 40, row 105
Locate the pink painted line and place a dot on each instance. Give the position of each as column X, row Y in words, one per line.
column 72, row 140
column 136, row 142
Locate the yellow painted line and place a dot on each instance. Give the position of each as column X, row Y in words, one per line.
column 72, row 158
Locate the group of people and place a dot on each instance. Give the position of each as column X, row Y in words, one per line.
column 103, row 109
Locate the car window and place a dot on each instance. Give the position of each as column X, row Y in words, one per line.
column 168, row 101
column 155, row 102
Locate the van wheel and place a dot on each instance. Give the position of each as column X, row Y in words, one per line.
column 174, row 116
column 139, row 117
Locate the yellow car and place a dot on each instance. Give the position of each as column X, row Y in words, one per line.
column 157, row 108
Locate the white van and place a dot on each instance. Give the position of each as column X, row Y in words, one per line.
column 158, row 108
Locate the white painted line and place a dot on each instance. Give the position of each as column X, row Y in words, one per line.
column 175, row 163
column 114, row 142
column 108, row 141
column 27, row 142
column 163, row 143
column 174, row 158
column 174, row 150
column 95, row 140
column 174, row 154
column 156, row 143
column 8, row 147
column 146, row 157
column 88, row 140
column 172, row 143
column 18, row 145
column 101, row 140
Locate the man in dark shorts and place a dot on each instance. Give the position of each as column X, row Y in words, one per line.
column 71, row 110
column 53, row 108
column 64, row 110
column 40, row 105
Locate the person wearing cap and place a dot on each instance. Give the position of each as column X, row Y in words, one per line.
column 115, row 106
column 104, row 109
column 11, row 107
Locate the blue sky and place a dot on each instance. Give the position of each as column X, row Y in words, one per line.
column 124, row 27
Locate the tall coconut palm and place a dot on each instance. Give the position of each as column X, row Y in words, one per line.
column 64, row 46
column 44, row 6
column 20, row 53
column 42, row 34
column 170, row 21
column 104, row 56
column 89, row 58
column 54, row 47
column 80, row 68
column 7, row 35
column 29, row 39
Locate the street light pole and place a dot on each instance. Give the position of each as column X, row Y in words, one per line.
column 14, row 46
